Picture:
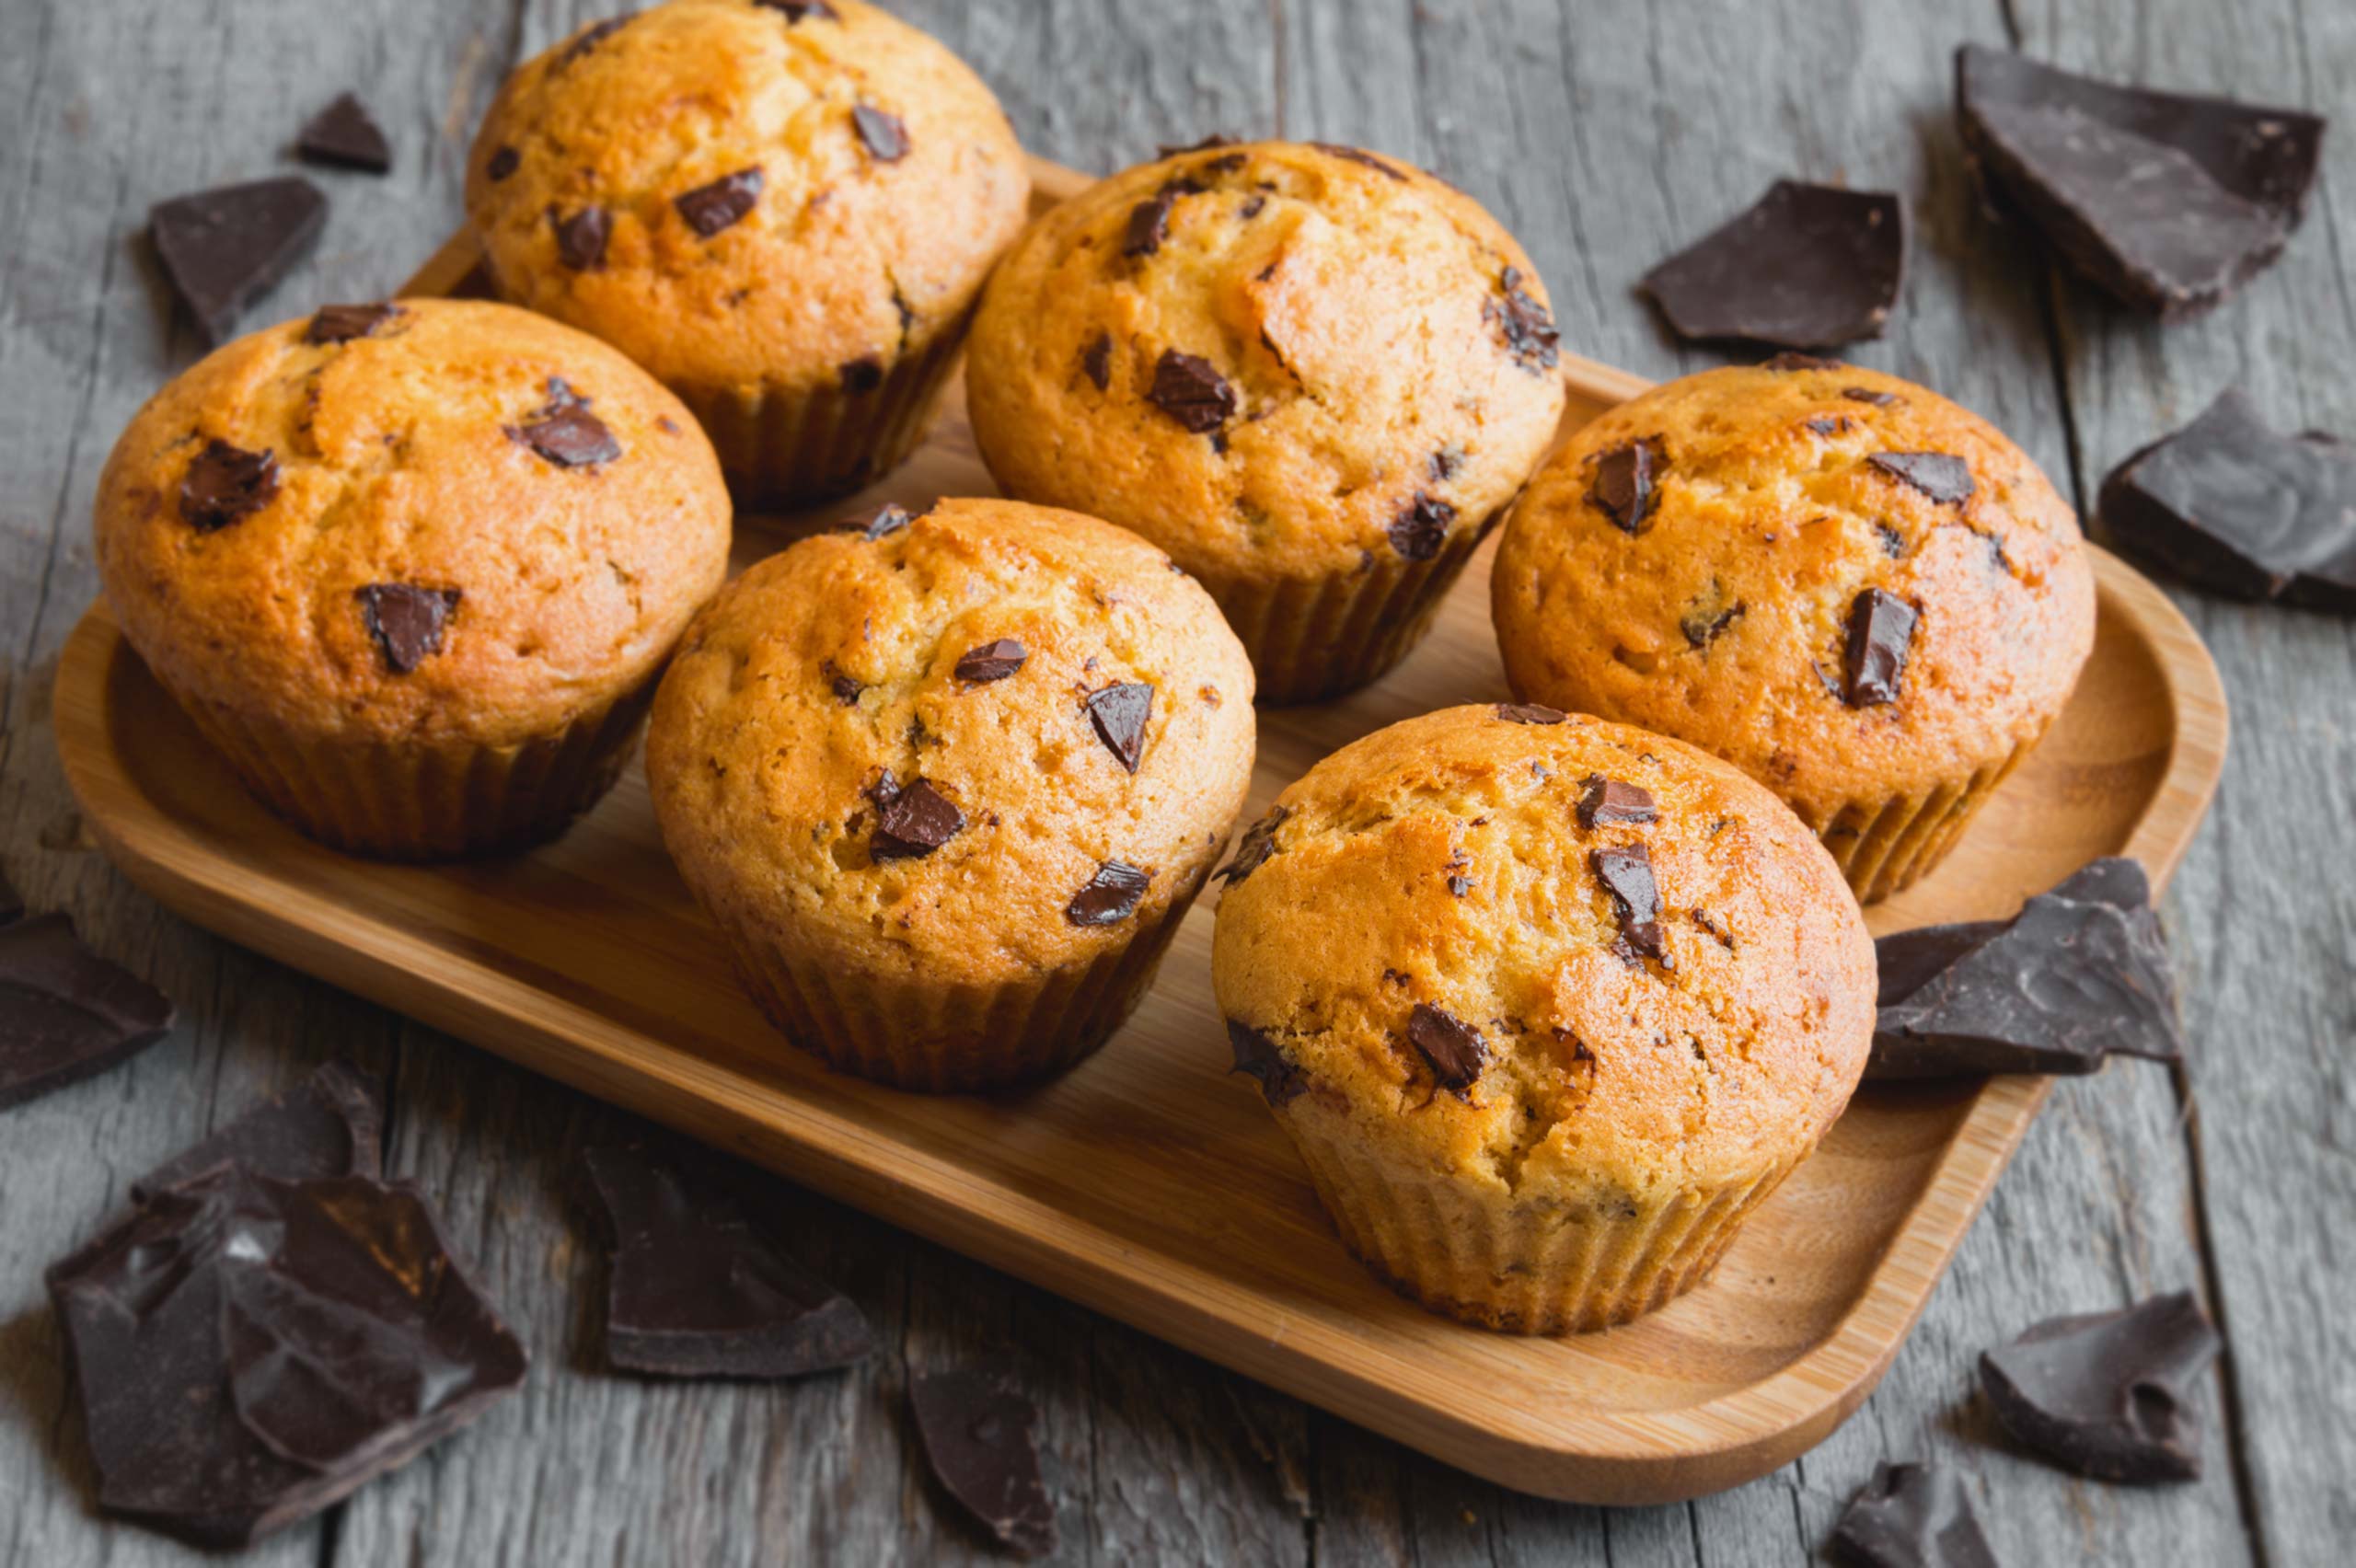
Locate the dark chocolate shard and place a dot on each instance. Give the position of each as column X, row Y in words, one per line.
column 1149, row 219
column 992, row 661
column 2166, row 201
column 1258, row 843
column 1907, row 960
column 981, row 1439
column 2108, row 1394
column 1096, row 361
column 1110, row 896
column 66, row 1013
column 1522, row 324
column 1190, row 389
column 581, row 237
column 347, row 136
column 1119, row 713
column 1607, row 802
column 1914, row 1515
column 1944, row 478
column 342, row 323
column 1211, row 143
column 2234, row 508
column 702, row 1283
column 329, row 1124
column 592, row 35
column 801, row 10
column 1529, row 713
column 864, row 374
column 1807, row 267
column 564, row 432
column 884, row 135
column 1453, row 1048
column 1360, row 155
column 1444, row 464
column 1626, row 487
column 1626, row 873
column 1791, row 360
column 408, row 622
column 1258, row 1056
column 1459, row 886
column 1421, row 527
column 1867, row 394
column 1881, row 634
column 913, row 821
column 222, row 249
column 225, row 484
column 708, row 209
column 889, row 519
column 501, row 163
column 248, row 1351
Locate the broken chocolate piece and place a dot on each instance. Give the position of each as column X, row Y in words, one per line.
column 1791, row 360
column 1867, row 394
column 1907, row 960
column 1626, row 873
column 1149, row 219
column 702, row 1284
column 1258, row 843
column 913, row 821
column 1529, row 713
column 708, row 209
column 225, row 484
column 66, row 1013
column 801, row 10
column 1110, row 896
column 1421, row 527
column 980, row 1437
column 862, row 375
column 1453, row 1048
column 1190, row 390
column 1360, row 156
column 846, row 686
column 581, row 237
column 1443, row 464
column 884, row 135
column 2234, row 508
column 501, row 163
column 224, row 249
column 1881, row 633
column 1610, row 800
column 2108, row 1394
column 1624, row 488
column 1257, row 1055
column 1807, row 266
column 329, row 1124
column 247, row 1350
column 1524, row 325
column 1119, row 713
column 592, row 36
column 1945, row 479
column 1706, row 619
column 344, row 134
column 1913, row 1517
column 406, row 621
column 564, row 432
column 1459, row 886
column 2166, row 201
column 342, row 323
column 889, row 518
column 1216, row 140
column 992, row 661
column 1096, row 361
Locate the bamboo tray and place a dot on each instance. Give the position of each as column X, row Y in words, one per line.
column 1149, row 1183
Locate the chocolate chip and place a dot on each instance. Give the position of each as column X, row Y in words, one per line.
column 1703, row 918
column 343, row 135
column 1253, row 206
column 224, row 249
column 592, row 36
column 564, row 432
column 1110, row 896
column 1805, row 266
column 1096, row 361
column 227, row 484
column 846, row 686
column 801, row 10
column 1626, row 487
column 1359, row 155
column 1258, row 843
column 701, row 1282
column 1913, row 1517
column 1459, row 886
column 862, row 375
column 1706, row 619
column 884, row 135
column 980, row 1437
column 913, row 821
column 1790, row 359
column 1216, row 139
column 342, row 323
column 406, row 621
column 1529, row 713
column 581, row 238
column 1626, row 873
column 1893, row 543
column 708, row 209
column 1280, row 1081
column 1444, row 464
column 66, row 1013
column 1190, row 390
column 1610, row 800
column 2108, row 1394
column 889, row 518
column 1421, row 527
column 1453, row 1048
column 992, row 661
column 1945, row 479
column 502, row 162
column 1523, row 323
column 1119, row 713
column 1867, row 394
column 1149, row 219
column 1830, row 425
column 1881, row 634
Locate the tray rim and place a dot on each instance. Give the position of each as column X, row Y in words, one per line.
column 1611, row 1456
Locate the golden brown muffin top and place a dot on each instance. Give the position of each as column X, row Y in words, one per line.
column 954, row 743
column 1423, row 938
column 745, row 194
column 1707, row 560
column 429, row 518
column 1273, row 360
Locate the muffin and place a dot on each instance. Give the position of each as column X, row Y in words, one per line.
column 1548, row 1005
column 947, row 784
column 1861, row 594
column 784, row 211
column 413, row 568
column 1313, row 376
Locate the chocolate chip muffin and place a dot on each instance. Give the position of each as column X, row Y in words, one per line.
column 1861, row 594
column 413, row 568
column 947, row 784
column 1548, row 1005
column 1314, row 375
column 785, row 211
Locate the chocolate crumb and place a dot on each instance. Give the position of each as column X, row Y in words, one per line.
column 845, row 685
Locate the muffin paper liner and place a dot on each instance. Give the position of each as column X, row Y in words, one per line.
column 1886, row 845
column 1522, row 1267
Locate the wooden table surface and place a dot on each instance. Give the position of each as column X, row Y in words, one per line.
column 1603, row 132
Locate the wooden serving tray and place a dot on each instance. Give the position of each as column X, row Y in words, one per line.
column 1148, row 1182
